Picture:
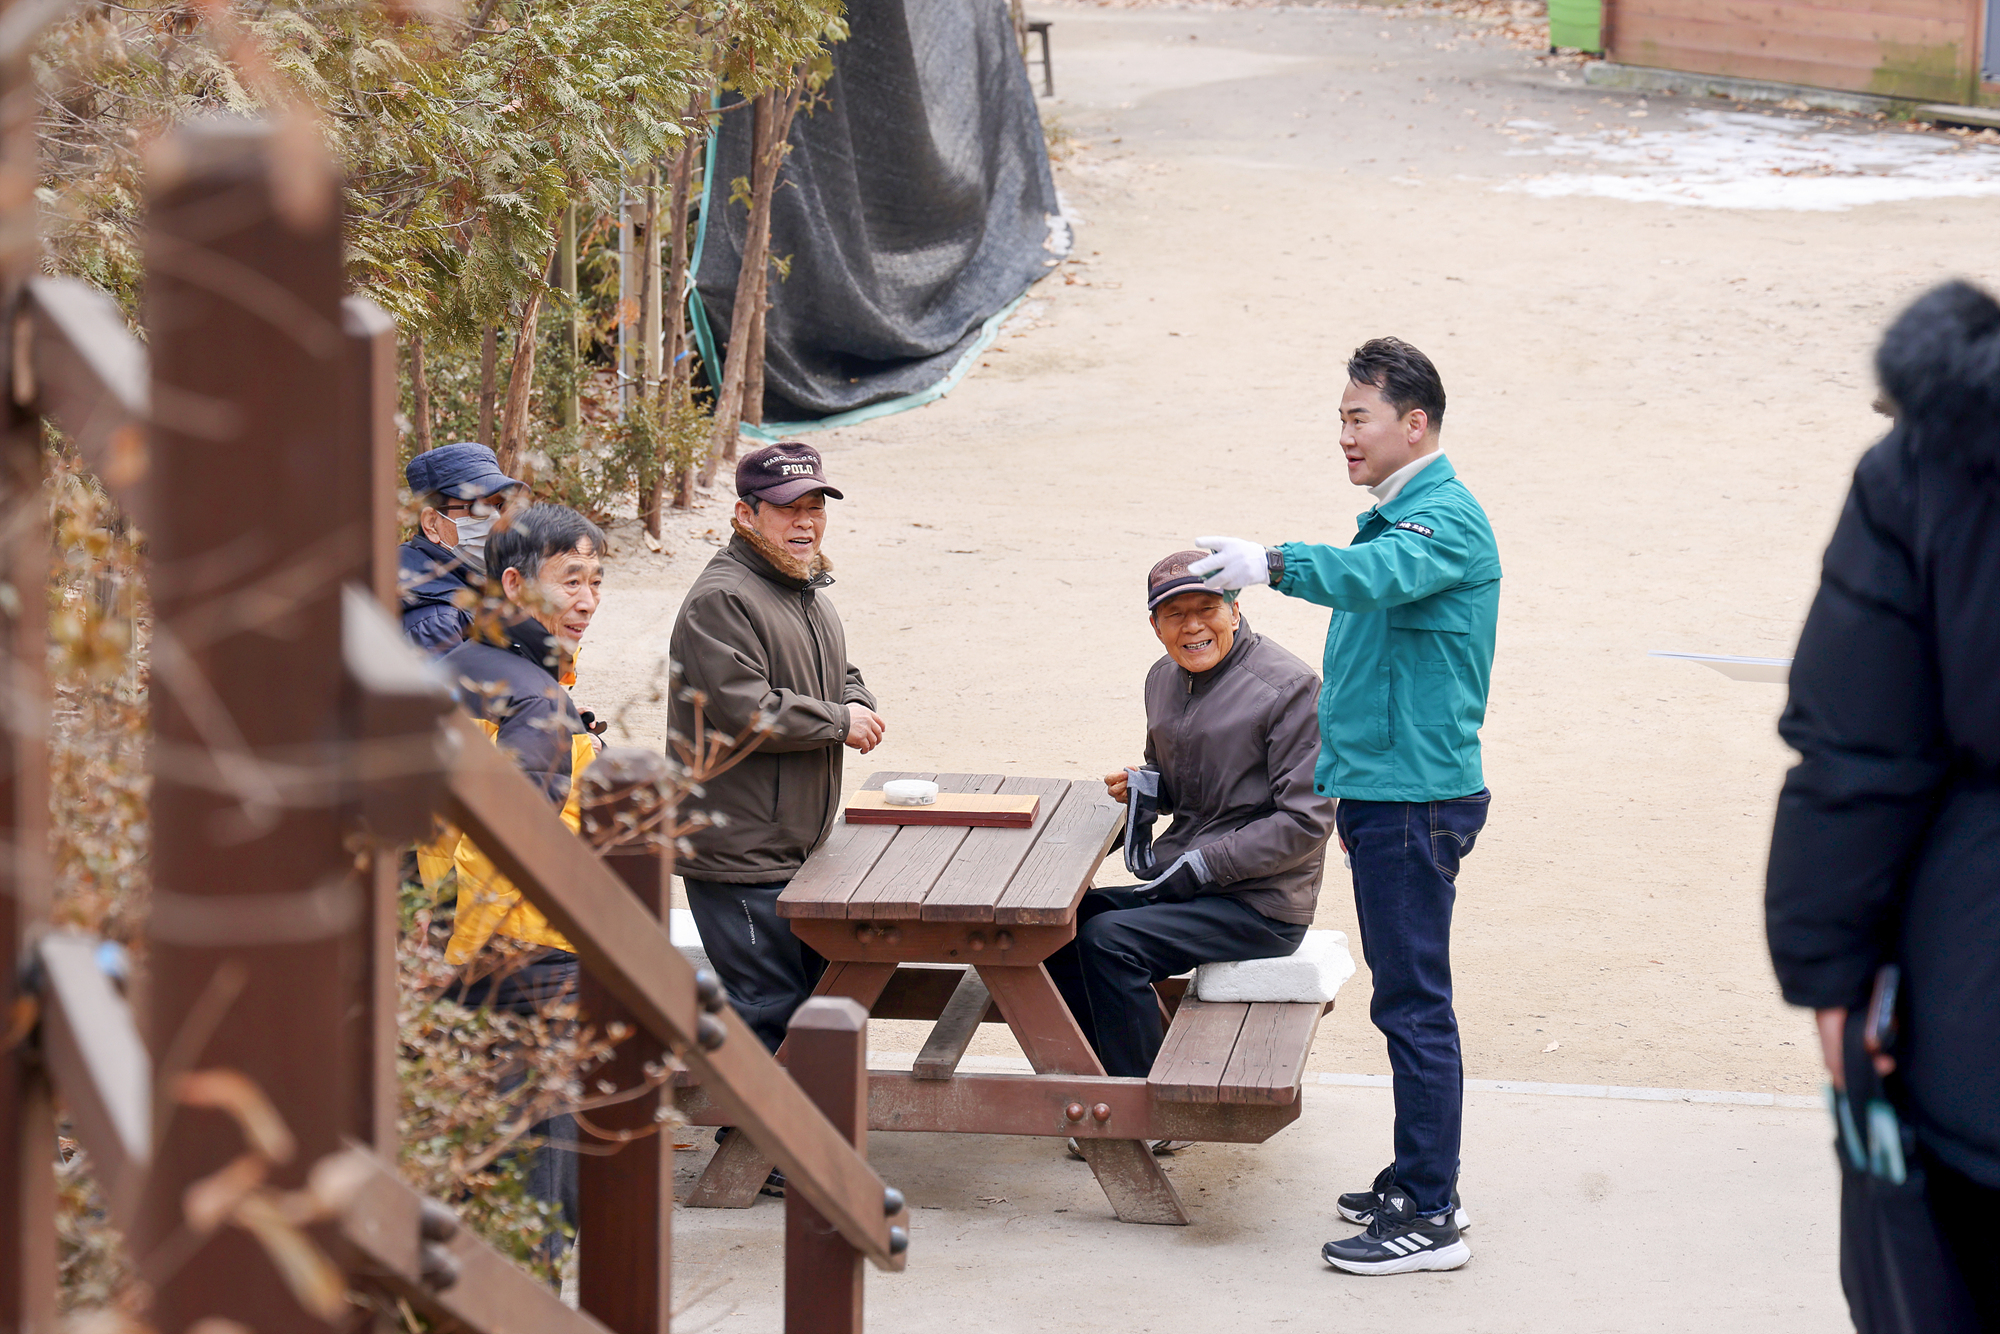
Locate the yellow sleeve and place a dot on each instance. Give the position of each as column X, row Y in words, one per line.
column 488, row 903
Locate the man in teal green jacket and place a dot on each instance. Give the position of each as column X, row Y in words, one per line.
column 1409, row 656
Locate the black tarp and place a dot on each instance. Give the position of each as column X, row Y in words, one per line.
column 916, row 203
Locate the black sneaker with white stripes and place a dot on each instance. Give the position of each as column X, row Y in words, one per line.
column 1358, row 1206
column 1399, row 1240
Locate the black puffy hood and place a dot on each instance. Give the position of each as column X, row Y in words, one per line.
column 1939, row 364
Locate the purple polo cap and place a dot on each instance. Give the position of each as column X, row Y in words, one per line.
column 781, row 473
column 1171, row 578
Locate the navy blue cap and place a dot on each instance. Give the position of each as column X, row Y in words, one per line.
column 467, row 470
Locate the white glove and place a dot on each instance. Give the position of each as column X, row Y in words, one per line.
column 1235, row 564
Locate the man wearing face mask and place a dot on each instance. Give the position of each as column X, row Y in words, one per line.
column 462, row 491
column 1231, row 736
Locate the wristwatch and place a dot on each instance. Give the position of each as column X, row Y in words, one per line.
column 1274, row 561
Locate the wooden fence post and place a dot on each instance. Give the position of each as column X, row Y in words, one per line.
column 364, row 473
column 256, row 896
column 827, row 1046
column 27, row 1121
column 625, row 1199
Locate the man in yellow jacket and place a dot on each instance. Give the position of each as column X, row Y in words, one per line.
column 548, row 568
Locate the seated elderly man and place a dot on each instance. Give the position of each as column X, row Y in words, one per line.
column 461, row 492
column 1232, row 734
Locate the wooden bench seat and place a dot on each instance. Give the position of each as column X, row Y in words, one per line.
column 1235, row 1052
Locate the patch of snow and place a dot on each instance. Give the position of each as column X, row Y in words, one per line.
column 1742, row 160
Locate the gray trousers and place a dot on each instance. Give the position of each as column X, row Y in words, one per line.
column 766, row 970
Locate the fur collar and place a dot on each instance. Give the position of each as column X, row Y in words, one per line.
column 1940, row 367
column 779, row 559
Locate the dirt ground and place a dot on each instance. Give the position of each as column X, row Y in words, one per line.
column 1658, row 405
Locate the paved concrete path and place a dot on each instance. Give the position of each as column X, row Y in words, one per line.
column 1588, row 1214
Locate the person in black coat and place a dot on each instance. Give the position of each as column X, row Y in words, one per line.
column 1886, row 847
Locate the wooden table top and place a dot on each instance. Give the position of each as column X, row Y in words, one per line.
column 949, row 873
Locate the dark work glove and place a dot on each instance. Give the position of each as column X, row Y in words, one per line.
column 591, row 725
column 1142, row 808
column 1182, row 881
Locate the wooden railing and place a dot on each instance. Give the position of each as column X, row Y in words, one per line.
column 297, row 745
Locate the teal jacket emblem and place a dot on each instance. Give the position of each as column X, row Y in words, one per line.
column 1409, row 651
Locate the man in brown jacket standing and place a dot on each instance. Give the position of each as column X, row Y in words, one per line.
column 1232, row 733
column 757, row 642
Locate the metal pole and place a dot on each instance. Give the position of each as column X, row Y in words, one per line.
column 256, row 898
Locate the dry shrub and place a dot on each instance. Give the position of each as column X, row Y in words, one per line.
column 473, row 1081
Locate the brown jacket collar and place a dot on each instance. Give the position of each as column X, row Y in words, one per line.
column 783, row 563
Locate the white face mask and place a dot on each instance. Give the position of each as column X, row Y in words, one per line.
column 472, row 531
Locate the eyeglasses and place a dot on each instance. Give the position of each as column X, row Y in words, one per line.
column 453, row 508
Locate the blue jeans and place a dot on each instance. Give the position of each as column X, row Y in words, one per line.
column 1405, row 856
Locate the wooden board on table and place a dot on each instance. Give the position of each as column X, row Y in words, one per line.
column 970, row 809
column 905, row 872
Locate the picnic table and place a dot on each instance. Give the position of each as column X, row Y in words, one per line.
column 952, row 924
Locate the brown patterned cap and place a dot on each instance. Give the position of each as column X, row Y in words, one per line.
column 1171, row 578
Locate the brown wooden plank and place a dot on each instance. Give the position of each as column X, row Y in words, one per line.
column 978, row 1103
column 896, row 885
column 1775, row 24
column 946, row 1045
column 1197, row 1050
column 1126, row 1170
column 1270, row 1056
column 254, row 640
column 828, row 1040
column 1057, row 870
column 922, row 992
column 837, row 866
column 986, row 861
column 381, row 1227
column 736, row 1172
column 931, row 942
column 628, row 949
column 90, row 376
column 101, row 1067
column 965, row 809
column 1821, row 45
column 625, row 1187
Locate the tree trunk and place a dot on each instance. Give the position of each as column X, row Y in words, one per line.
column 753, row 374
column 489, row 353
column 649, row 343
column 514, row 425
column 420, row 392
column 742, row 319
column 679, row 365
column 572, row 409
column 744, row 361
